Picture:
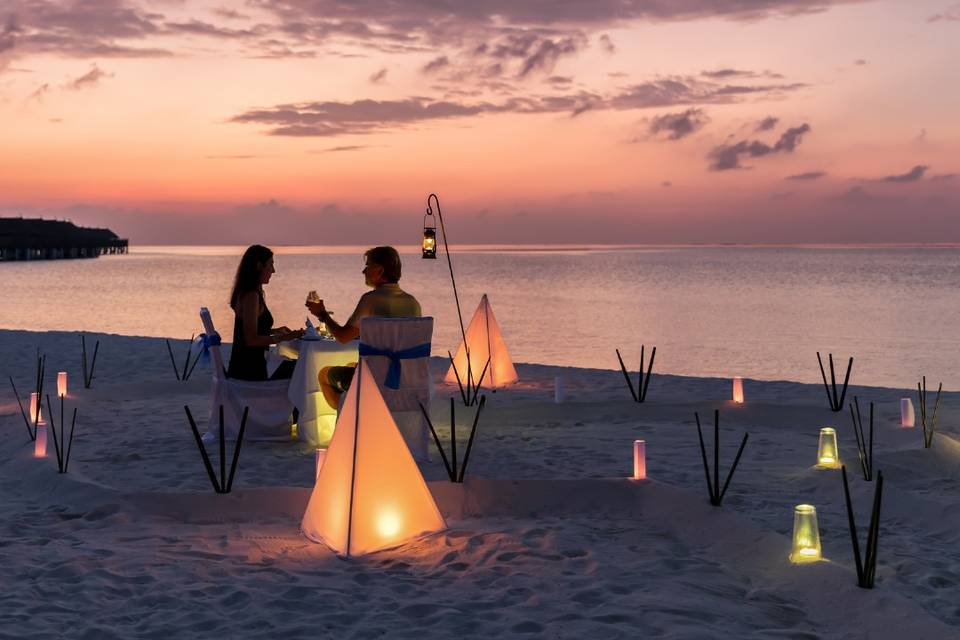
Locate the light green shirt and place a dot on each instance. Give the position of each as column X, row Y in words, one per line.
column 385, row 301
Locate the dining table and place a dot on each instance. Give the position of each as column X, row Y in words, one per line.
column 317, row 417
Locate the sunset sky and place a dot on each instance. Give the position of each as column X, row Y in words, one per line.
column 595, row 121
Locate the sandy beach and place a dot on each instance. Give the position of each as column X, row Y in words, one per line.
column 547, row 538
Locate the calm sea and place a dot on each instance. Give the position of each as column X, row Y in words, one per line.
column 759, row 312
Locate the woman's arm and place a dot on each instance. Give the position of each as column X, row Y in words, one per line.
column 249, row 311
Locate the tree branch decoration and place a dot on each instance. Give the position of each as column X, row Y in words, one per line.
column 62, row 446
column 713, row 488
column 640, row 394
column 450, row 464
column 866, row 566
column 864, row 450
column 922, row 393
column 225, row 483
column 836, row 402
column 88, row 373
column 470, row 393
column 187, row 367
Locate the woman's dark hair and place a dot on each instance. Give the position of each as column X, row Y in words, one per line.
column 389, row 259
column 248, row 273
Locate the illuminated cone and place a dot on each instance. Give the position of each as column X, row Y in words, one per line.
column 485, row 340
column 369, row 494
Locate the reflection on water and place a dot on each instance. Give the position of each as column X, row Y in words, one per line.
column 758, row 312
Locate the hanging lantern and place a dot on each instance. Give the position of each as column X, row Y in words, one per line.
column 40, row 443
column 429, row 237
column 639, row 460
column 738, row 389
column 806, row 535
column 907, row 416
column 828, row 454
column 61, row 383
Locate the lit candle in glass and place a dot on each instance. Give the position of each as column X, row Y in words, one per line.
column 40, row 443
column 738, row 389
column 639, row 459
column 35, row 417
column 61, row 383
column 907, row 416
column 806, row 535
column 828, row 455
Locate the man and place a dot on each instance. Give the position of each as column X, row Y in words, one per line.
column 387, row 300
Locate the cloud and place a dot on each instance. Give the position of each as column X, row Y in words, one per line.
column 379, row 76
column 920, row 137
column 341, row 149
column 329, row 118
column 859, row 62
column 676, row 126
column 767, row 124
column 950, row 14
column 666, row 183
column 944, row 177
column 39, row 92
column 88, row 80
column 436, row 64
column 559, row 81
column 913, row 175
column 606, row 44
column 727, row 156
column 809, row 175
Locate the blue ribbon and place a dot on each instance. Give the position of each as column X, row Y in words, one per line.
column 205, row 342
column 393, row 372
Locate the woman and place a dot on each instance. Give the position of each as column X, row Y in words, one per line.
column 253, row 329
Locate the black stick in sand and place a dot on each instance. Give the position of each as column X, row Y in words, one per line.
column 73, row 424
column 23, row 413
column 53, row 430
column 713, row 487
column 864, row 449
column 922, row 393
column 835, row 401
column 225, row 483
column 173, row 361
column 236, row 449
column 203, row 451
column 473, row 432
column 454, row 471
column 867, row 566
column 640, row 394
column 436, row 440
column 88, row 373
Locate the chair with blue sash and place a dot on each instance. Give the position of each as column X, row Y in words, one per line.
column 397, row 350
column 270, row 416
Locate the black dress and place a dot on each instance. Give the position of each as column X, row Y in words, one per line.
column 249, row 362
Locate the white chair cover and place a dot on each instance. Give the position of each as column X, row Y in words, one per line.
column 269, row 417
column 416, row 386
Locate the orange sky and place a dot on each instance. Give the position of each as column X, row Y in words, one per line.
column 689, row 121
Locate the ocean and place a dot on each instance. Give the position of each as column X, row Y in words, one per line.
column 756, row 312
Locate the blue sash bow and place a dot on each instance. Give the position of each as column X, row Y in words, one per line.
column 204, row 342
column 393, row 372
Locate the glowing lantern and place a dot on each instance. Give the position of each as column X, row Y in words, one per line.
column 828, row 455
column 639, row 460
column 369, row 494
column 806, row 535
column 34, row 409
column 429, row 237
column 321, row 454
column 61, row 383
column 907, row 417
column 738, row 389
column 40, row 443
column 486, row 341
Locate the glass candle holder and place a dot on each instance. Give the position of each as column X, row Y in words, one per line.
column 639, row 459
column 907, row 416
column 738, row 389
column 61, row 383
column 828, row 454
column 806, row 535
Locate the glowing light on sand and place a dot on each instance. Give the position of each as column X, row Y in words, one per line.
column 34, row 408
column 806, row 535
column 738, row 389
column 61, row 383
column 828, row 455
column 639, row 459
column 907, row 417
column 388, row 524
column 40, row 443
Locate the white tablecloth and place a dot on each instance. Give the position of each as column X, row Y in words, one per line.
column 317, row 417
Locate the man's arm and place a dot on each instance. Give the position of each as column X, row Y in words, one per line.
column 343, row 333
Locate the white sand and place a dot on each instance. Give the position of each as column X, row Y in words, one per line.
column 546, row 539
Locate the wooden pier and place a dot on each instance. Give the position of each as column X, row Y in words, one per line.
column 38, row 239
